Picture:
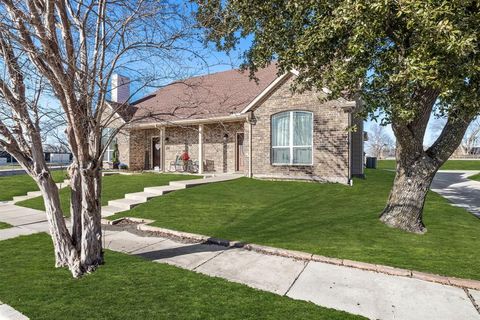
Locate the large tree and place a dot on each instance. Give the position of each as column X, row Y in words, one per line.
column 405, row 59
column 74, row 47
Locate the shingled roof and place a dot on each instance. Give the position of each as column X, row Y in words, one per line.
column 215, row 95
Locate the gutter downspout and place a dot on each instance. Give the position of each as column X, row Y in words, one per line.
column 250, row 156
column 350, row 180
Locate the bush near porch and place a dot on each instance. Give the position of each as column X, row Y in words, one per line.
column 114, row 187
column 327, row 219
column 128, row 287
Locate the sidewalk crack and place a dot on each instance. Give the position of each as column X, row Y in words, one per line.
column 475, row 305
column 296, row 278
column 208, row 260
column 30, row 223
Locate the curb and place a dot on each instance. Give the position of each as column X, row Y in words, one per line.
column 299, row 255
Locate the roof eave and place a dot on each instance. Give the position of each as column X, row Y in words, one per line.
column 166, row 123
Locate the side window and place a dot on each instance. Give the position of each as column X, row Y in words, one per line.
column 292, row 138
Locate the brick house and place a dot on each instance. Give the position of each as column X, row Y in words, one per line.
column 230, row 124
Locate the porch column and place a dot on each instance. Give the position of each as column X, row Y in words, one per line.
column 162, row 149
column 200, row 149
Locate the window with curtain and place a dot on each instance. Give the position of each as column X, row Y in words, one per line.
column 108, row 155
column 292, row 139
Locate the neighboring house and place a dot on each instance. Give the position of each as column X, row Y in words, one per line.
column 51, row 154
column 229, row 123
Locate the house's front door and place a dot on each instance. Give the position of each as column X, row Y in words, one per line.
column 240, row 153
column 156, row 148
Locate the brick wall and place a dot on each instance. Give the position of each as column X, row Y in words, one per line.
column 222, row 153
column 330, row 138
column 357, row 147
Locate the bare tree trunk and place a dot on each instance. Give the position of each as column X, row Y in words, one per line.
column 65, row 252
column 91, row 249
column 76, row 204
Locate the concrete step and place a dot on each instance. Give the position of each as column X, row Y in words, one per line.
column 110, row 210
column 162, row 189
column 63, row 184
column 197, row 182
column 20, row 198
column 142, row 196
column 33, row 194
column 125, row 204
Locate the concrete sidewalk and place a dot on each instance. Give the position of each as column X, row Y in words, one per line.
column 8, row 313
column 25, row 221
column 455, row 186
column 371, row 294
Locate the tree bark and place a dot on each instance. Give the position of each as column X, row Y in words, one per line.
column 76, row 204
column 66, row 254
column 405, row 204
column 91, row 249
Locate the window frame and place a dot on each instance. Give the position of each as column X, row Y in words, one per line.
column 108, row 155
column 290, row 146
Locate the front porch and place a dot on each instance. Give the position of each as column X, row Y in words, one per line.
column 212, row 148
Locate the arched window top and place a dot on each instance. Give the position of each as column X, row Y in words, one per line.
column 292, row 138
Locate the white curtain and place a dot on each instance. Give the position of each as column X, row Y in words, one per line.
column 302, row 137
column 302, row 128
column 281, row 130
column 281, row 138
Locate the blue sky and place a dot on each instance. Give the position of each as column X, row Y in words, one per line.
column 220, row 61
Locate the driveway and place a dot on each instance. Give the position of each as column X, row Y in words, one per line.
column 457, row 188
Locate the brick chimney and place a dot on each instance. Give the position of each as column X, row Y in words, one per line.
column 120, row 88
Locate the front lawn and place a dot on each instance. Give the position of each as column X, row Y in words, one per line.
column 19, row 185
column 114, row 187
column 449, row 165
column 475, row 177
column 4, row 225
column 128, row 287
column 327, row 219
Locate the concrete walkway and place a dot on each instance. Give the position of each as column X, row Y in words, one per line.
column 134, row 199
column 371, row 294
column 457, row 188
column 34, row 194
column 8, row 313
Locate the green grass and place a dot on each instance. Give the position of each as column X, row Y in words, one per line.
column 327, row 219
column 475, row 177
column 114, row 187
column 4, row 225
column 19, row 185
column 449, row 165
column 128, row 287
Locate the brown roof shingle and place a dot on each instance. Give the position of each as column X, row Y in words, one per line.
column 214, row 95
